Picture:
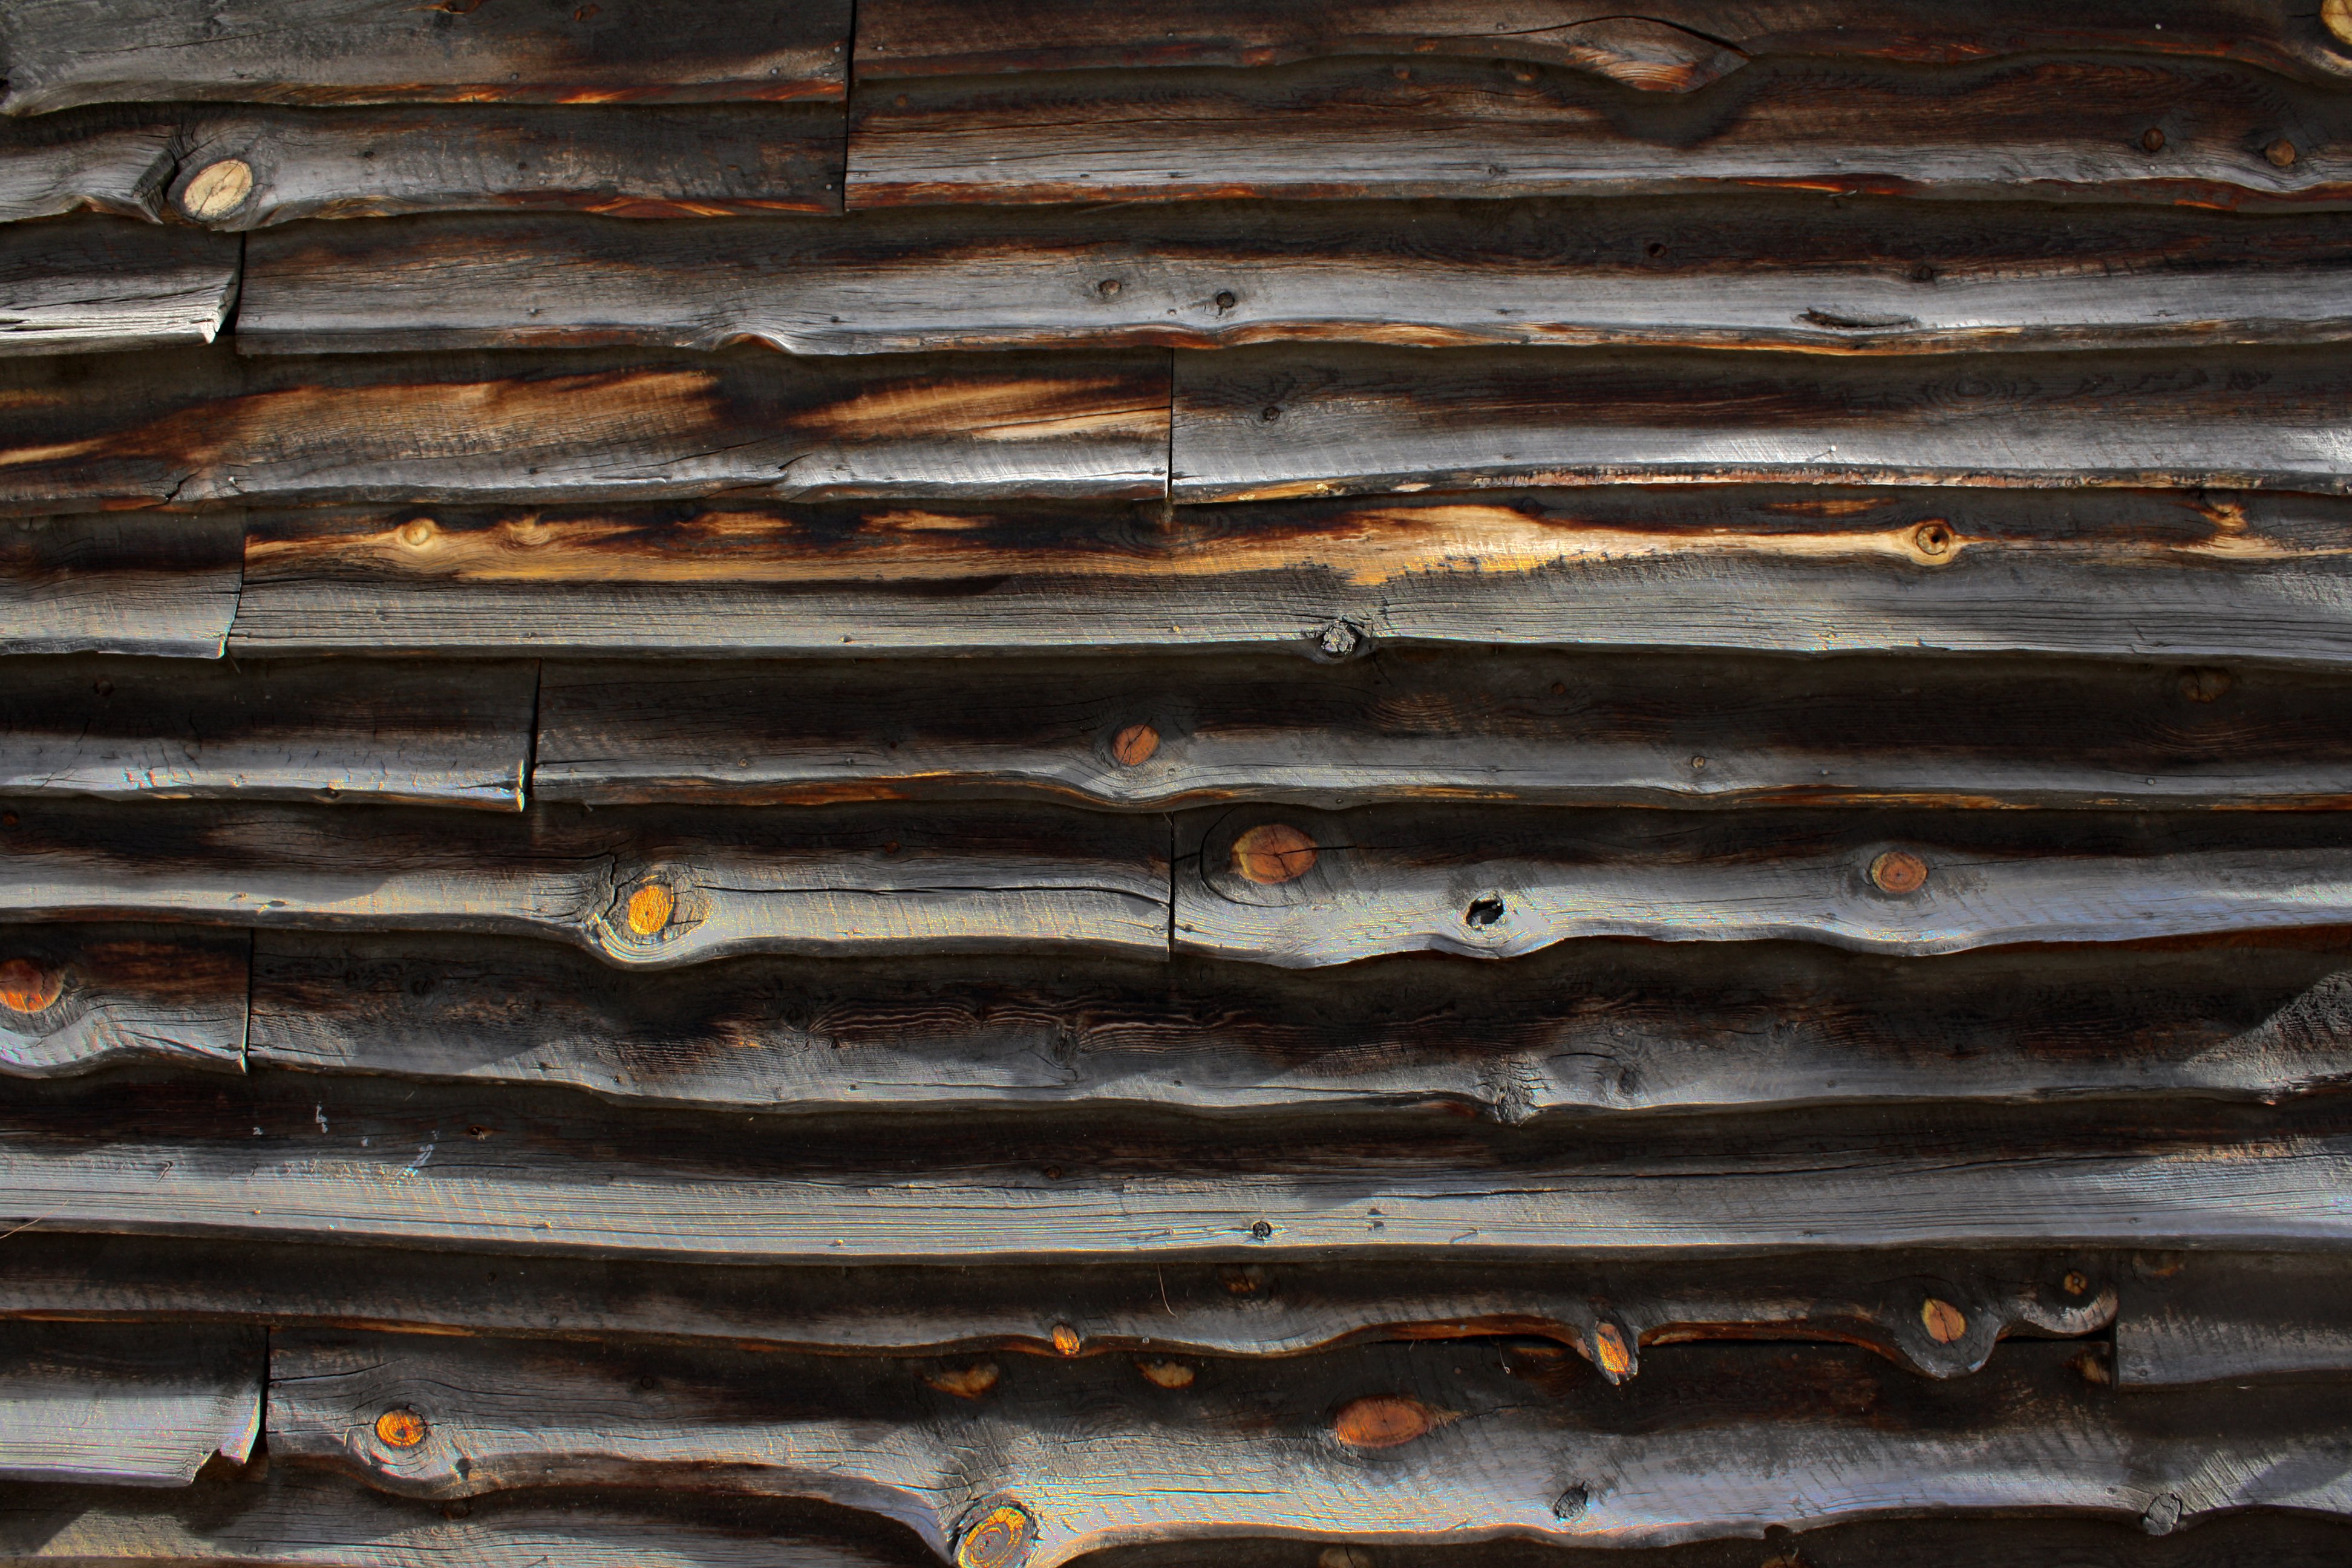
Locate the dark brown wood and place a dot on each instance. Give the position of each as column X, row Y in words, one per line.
column 194, row 428
column 62, row 53
column 1593, row 1028
column 1711, row 1441
column 76, row 997
column 2035, row 127
column 1499, row 883
column 2198, row 578
column 88, row 285
column 118, row 585
column 1647, row 729
column 1882, row 276
column 1262, row 424
column 2196, row 1318
column 138, row 1405
column 425, row 734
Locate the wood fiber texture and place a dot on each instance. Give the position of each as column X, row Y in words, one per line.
column 113, row 584
column 91, row 285
column 142, row 1405
column 73, row 998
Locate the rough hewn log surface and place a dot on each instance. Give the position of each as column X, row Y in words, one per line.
column 1894, row 276
column 2205, row 1319
column 61, row 53
column 2056, row 130
column 198, row 428
column 1711, row 1441
column 1648, row 728
column 78, row 997
column 118, row 585
column 142, row 1405
column 2213, row 576
column 418, row 733
column 85, row 285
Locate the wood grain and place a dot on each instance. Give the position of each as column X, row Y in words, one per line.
column 2216, row 576
column 456, row 735
column 1260, row 424
column 73, row 998
column 1431, row 126
column 1883, row 276
column 2232, row 1319
column 1491, row 883
column 63, row 53
column 118, row 585
column 634, row 888
column 195, row 428
column 143, row 1404
column 1711, row 1441
column 97, row 284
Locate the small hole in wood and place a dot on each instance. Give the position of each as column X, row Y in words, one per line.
column 1484, row 911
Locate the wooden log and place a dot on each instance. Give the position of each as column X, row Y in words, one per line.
column 2186, row 577
column 422, row 1165
column 635, row 888
column 201, row 427
column 1291, row 887
column 453, row 734
column 241, row 168
column 142, row 1405
column 2232, row 1317
column 2037, row 127
column 1650, row 729
column 1588, row 1029
column 91, row 285
column 73, row 998
column 1606, row 1312
column 1262, row 424
column 113, row 584
column 1353, row 1444
column 1672, row 47
column 63, row 53
column 1884, row 277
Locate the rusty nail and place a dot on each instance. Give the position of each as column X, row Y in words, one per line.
column 2152, row 139
column 1944, row 1322
column 1932, row 538
column 1166, row 1374
column 1133, row 746
column 27, row 987
column 1383, row 1421
column 218, row 190
column 1000, row 1539
column 650, row 908
column 1610, row 1352
column 1226, row 299
column 400, row 1428
column 2280, row 153
column 1272, row 852
column 1065, row 1339
column 1899, row 871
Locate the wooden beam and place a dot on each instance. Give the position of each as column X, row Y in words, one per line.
column 112, row 583
column 100, row 284
column 143, row 1404
column 75, row 998
column 2234, row 1319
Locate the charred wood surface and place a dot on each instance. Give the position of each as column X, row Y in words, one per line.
column 76, row 997
column 139, row 1404
column 110, row 584
column 94, row 284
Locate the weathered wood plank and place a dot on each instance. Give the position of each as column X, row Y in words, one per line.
column 1671, row 46
column 88, row 285
column 422, row 1165
column 2205, row 1319
column 1606, row 1312
column 1429, row 126
column 424, row 734
column 1650, row 729
column 236, row 169
column 137, row 1404
column 1294, row 887
column 2212, row 576
column 1260, row 424
column 194, row 428
column 637, row 889
column 1352, row 1443
column 1586, row 1028
column 118, row 585
column 1879, row 277
column 63, row 53
column 76, row 997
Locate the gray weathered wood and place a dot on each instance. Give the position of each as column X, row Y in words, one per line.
column 1648, row 728
column 425, row 734
column 194, row 428
column 116, row 160
column 86, row 285
column 110, row 584
column 139, row 1404
column 1340, row 420
column 1878, row 277
column 62, row 53
column 1352, row 1443
column 1490, row 883
column 2196, row 1318
column 2177, row 575
column 76, row 997
column 2046, row 128
column 636, row 888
